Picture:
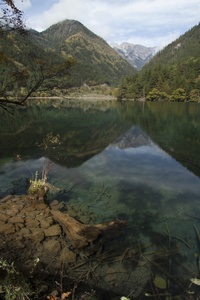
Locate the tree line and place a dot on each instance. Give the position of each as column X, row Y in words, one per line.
column 177, row 82
column 173, row 74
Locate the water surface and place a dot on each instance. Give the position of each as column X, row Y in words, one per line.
column 138, row 162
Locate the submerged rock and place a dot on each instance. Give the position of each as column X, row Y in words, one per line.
column 160, row 283
column 7, row 228
column 53, row 230
column 67, row 256
column 52, row 246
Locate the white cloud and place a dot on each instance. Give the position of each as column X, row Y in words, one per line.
column 22, row 5
column 136, row 21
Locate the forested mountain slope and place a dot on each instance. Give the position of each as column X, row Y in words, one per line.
column 97, row 62
column 24, row 59
column 183, row 48
column 172, row 74
column 24, row 67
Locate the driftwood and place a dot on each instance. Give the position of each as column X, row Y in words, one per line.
column 80, row 234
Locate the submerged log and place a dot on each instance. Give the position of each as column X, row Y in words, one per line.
column 80, row 234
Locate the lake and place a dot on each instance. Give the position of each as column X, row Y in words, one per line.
column 137, row 162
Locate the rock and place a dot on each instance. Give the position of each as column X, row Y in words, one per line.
column 1, row 223
column 16, row 219
column 55, row 207
column 67, row 256
column 45, row 222
column 72, row 213
column 110, row 274
column 160, row 283
column 76, row 207
column 12, row 211
column 30, row 222
column 24, row 232
column 4, row 217
column 85, row 219
column 40, row 206
column 93, row 217
column 37, row 235
column 42, row 289
column 62, row 206
column 84, row 208
column 18, row 226
column 52, row 230
column 54, row 293
column 7, row 228
column 6, row 198
column 54, row 203
column 52, row 246
column 28, row 212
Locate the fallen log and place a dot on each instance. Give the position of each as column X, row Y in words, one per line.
column 80, row 234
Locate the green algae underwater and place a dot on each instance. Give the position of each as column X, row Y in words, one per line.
column 137, row 162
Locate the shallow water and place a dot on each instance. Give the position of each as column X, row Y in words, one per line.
column 133, row 161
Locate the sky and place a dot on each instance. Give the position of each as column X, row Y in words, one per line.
column 145, row 22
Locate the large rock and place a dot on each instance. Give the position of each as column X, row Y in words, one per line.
column 23, row 233
column 67, row 256
column 52, row 246
column 12, row 211
column 45, row 222
column 37, row 235
column 110, row 275
column 7, row 228
column 4, row 217
column 31, row 222
column 53, row 230
column 16, row 219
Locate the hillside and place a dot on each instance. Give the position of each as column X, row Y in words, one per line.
column 172, row 74
column 183, row 48
column 28, row 70
column 97, row 62
column 25, row 60
column 136, row 55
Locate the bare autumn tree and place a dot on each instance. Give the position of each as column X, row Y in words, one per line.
column 33, row 75
column 31, row 78
column 11, row 17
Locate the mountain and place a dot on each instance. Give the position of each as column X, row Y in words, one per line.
column 97, row 62
column 136, row 55
column 172, row 74
column 182, row 49
column 132, row 138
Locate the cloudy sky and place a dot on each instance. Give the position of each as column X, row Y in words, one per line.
column 145, row 22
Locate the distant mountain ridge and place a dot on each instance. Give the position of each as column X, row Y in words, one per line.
column 97, row 62
column 136, row 55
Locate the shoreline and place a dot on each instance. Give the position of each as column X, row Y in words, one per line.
column 79, row 97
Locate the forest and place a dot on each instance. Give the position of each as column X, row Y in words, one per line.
column 172, row 75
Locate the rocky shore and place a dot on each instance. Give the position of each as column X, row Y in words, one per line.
column 69, row 248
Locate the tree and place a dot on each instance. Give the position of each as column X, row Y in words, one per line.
column 179, row 95
column 194, row 95
column 122, row 90
column 11, row 17
column 14, row 77
column 153, row 95
column 24, row 70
